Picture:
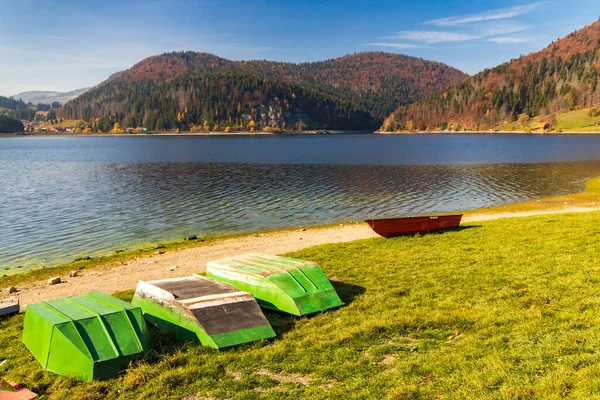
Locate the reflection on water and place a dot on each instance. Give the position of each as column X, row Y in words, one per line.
column 55, row 210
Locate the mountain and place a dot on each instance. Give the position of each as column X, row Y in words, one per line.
column 539, row 87
column 374, row 83
column 45, row 97
column 214, row 101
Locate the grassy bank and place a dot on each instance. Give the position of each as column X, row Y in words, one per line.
column 501, row 309
column 589, row 198
column 576, row 121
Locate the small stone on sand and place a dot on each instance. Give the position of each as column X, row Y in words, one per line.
column 54, row 281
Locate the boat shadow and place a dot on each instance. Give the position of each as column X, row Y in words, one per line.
column 444, row 231
column 459, row 228
column 165, row 343
column 283, row 322
column 347, row 291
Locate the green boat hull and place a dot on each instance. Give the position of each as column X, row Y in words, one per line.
column 199, row 310
column 284, row 284
column 90, row 336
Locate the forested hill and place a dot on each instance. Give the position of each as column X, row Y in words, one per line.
column 376, row 81
column 12, row 104
column 373, row 82
column 10, row 125
column 561, row 78
column 217, row 101
column 48, row 97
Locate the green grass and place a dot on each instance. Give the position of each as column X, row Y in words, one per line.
column 502, row 309
column 578, row 120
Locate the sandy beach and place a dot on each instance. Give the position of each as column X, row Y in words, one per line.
column 123, row 275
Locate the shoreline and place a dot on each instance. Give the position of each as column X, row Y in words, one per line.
column 538, row 133
column 220, row 133
column 300, row 133
column 122, row 271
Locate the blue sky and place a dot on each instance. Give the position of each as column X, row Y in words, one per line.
column 68, row 44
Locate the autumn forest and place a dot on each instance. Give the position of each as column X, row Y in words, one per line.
column 200, row 92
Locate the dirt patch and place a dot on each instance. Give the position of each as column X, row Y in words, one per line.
column 288, row 378
column 296, row 379
column 388, row 359
column 521, row 214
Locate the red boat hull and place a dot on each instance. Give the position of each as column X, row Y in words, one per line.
column 411, row 225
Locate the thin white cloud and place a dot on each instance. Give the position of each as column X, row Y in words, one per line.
column 48, row 37
column 508, row 40
column 477, row 31
column 431, row 37
column 395, row 45
column 499, row 28
column 501, row 13
column 73, row 60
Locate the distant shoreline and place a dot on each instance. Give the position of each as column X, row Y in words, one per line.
column 488, row 133
column 316, row 133
column 260, row 133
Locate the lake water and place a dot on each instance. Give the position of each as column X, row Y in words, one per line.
column 65, row 197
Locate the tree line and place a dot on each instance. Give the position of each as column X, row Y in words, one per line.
column 18, row 109
column 10, row 125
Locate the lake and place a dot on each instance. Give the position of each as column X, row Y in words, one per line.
column 66, row 197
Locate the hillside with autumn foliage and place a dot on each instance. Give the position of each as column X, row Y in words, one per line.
column 538, row 87
column 356, row 91
column 216, row 101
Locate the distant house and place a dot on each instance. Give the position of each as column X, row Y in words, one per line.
column 542, row 126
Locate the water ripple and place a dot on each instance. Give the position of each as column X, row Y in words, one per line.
column 54, row 210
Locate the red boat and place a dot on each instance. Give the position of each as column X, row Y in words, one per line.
column 410, row 225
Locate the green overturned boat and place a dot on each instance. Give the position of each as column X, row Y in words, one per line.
column 293, row 286
column 91, row 336
column 202, row 310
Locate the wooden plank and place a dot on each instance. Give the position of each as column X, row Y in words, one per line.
column 9, row 306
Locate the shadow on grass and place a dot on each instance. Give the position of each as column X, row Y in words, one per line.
column 8, row 319
column 347, row 291
column 447, row 230
column 283, row 322
column 280, row 322
column 459, row 228
column 165, row 343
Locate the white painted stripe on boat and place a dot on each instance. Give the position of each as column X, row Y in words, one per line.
column 148, row 288
column 212, row 297
column 218, row 302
